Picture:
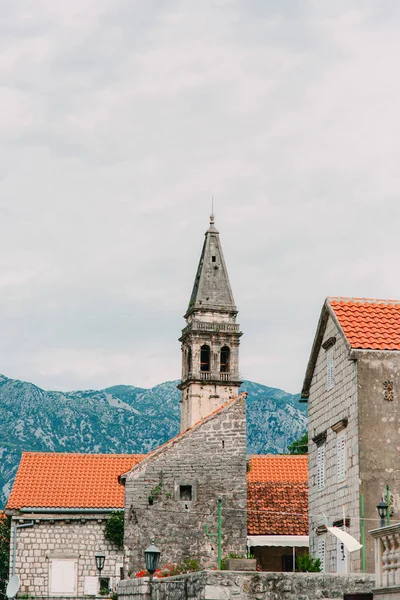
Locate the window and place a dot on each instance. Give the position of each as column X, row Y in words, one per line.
column 341, row 456
column 205, row 358
column 213, row 258
column 185, row 493
column 321, row 553
column 330, row 369
column 104, row 583
column 224, row 359
column 189, row 360
column 63, row 577
column 321, row 466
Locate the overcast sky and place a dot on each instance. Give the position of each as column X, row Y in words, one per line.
column 120, row 119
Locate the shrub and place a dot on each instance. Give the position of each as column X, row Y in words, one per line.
column 308, row 564
column 114, row 531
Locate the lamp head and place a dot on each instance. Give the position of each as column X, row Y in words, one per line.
column 382, row 509
column 100, row 559
column 151, row 557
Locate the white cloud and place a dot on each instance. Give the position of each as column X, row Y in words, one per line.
column 121, row 119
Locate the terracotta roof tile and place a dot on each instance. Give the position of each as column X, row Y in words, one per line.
column 279, row 468
column 277, row 495
column 57, row 480
column 276, row 508
column 368, row 323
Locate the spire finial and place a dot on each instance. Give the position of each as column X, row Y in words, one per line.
column 212, row 216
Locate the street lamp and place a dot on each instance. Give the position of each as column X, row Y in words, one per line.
column 100, row 559
column 382, row 511
column 151, row 557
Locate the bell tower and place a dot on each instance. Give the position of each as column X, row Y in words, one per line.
column 210, row 340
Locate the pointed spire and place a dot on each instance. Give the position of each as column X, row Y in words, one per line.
column 212, row 290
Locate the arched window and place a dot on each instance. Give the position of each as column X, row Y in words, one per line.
column 205, row 358
column 224, row 359
column 189, row 360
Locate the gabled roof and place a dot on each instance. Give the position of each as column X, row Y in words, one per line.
column 277, row 508
column 368, row 324
column 211, row 289
column 283, row 468
column 276, row 492
column 183, row 434
column 365, row 323
column 58, row 480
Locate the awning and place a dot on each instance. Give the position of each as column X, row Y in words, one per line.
column 292, row 541
column 349, row 542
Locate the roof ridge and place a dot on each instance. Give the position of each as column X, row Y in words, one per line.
column 190, row 429
column 355, row 299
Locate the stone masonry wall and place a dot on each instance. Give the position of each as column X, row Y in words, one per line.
column 212, row 459
column 379, row 432
column 325, row 408
column 73, row 538
column 229, row 585
column 199, row 398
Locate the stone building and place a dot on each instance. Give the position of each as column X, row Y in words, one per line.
column 352, row 387
column 59, row 506
column 210, row 340
column 173, row 493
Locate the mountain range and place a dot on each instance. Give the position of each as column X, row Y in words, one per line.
column 125, row 419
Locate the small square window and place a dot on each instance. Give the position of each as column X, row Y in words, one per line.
column 214, row 258
column 185, row 493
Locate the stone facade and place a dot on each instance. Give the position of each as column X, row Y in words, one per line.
column 53, row 537
column 325, row 409
column 228, row 585
column 173, row 493
column 204, row 392
column 379, row 435
column 355, row 407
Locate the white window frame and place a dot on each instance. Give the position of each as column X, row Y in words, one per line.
column 321, row 552
column 341, row 456
column 321, row 466
column 330, row 369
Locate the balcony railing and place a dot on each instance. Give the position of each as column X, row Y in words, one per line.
column 208, row 375
column 208, row 326
column 387, row 556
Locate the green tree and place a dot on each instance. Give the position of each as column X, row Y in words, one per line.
column 114, row 531
column 5, row 528
column 299, row 446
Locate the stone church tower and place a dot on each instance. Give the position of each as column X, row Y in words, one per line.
column 210, row 340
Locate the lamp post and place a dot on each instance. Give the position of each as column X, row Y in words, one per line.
column 151, row 557
column 382, row 511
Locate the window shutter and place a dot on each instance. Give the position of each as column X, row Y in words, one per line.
column 330, row 369
column 321, row 553
column 341, row 456
column 321, row 466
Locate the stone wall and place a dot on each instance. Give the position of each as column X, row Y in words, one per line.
column 379, row 429
column 52, row 537
column 229, row 585
column 211, row 458
column 325, row 409
column 201, row 396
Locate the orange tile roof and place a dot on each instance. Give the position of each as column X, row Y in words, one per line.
column 58, row 480
column 276, row 508
column 367, row 323
column 283, row 468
